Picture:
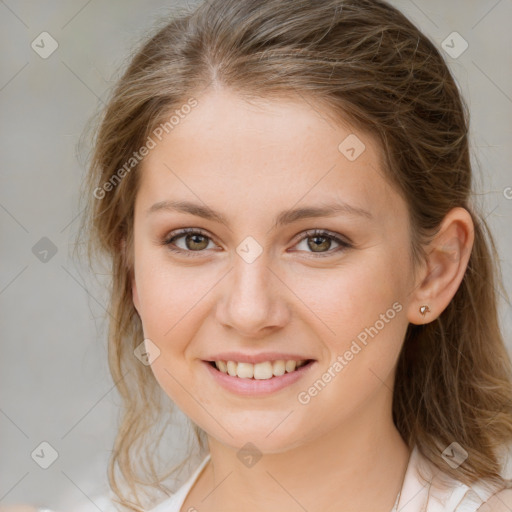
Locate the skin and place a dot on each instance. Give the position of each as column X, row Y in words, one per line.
column 250, row 161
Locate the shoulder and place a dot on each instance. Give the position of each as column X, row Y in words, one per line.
column 499, row 502
column 442, row 492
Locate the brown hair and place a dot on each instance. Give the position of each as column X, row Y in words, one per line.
column 363, row 61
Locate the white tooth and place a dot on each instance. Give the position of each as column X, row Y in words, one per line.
column 278, row 368
column 263, row 370
column 290, row 366
column 245, row 370
column 231, row 367
column 222, row 366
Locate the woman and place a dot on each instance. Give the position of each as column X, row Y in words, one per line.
column 284, row 189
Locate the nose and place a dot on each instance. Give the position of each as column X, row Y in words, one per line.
column 253, row 299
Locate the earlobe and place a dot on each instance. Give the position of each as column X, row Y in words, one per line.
column 446, row 263
column 424, row 310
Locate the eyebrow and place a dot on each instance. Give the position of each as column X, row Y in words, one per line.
column 283, row 218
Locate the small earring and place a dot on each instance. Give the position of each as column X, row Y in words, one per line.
column 424, row 310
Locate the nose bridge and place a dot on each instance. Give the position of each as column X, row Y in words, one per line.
column 252, row 300
column 251, row 280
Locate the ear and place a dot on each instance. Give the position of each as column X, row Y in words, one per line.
column 135, row 295
column 446, row 262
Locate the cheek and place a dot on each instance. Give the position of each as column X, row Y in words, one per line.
column 366, row 326
column 170, row 300
column 165, row 292
column 354, row 295
column 173, row 299
column 158, row 296
column 360, row 314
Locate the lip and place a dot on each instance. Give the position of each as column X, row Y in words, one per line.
column 255, row 387
column 239, row 357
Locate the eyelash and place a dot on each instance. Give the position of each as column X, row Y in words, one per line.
column 168, row 241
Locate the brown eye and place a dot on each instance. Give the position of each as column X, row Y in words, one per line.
column 194, row 241
column 320, row 242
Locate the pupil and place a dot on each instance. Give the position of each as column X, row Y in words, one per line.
column 316, row 245
column 194, row 241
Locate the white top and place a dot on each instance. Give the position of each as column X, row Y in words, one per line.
column 439, row 493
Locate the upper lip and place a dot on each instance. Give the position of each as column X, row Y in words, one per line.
column 257, row 358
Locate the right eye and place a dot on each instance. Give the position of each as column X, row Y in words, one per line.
column 195, row 241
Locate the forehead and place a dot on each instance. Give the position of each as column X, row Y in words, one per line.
column 261, row 153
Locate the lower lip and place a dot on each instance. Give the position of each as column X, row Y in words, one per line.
column 257, row 387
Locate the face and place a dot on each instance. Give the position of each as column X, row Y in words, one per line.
column 240, row 282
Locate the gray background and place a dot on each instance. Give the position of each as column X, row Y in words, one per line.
column 54, row 380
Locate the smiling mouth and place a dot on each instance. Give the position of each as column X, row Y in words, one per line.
column 248, row 371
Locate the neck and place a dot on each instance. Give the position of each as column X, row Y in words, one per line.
column 359, row 466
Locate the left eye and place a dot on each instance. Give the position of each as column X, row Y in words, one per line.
column 196, row 240
column 321, row 239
